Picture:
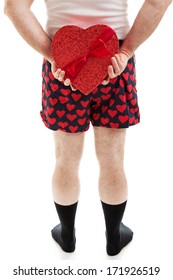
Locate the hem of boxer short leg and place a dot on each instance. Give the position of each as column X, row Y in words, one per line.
column 118, row 127
column 47, row 125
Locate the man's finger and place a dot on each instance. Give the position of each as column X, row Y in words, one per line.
column 73, row 88
column 117, row 65
column 119, row 61
column 105, row 81
column 56, row 73
column 114, row 63
column 111, row 72
column 67, row 82
column 61, row 76
column 54, row 68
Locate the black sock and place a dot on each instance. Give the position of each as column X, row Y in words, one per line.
column 117, row 234
column 64, row 233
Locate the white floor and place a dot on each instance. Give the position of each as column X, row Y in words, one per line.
column 27, row 160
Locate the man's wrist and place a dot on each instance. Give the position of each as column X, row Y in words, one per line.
column 126, row 52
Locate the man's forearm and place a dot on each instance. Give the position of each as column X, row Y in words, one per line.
column 144, row 25
column 28, row 27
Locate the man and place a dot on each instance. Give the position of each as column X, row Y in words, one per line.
column 111, row 107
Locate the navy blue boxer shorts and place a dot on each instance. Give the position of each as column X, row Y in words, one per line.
column 114, row 105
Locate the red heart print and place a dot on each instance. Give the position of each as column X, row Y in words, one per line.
column 50, row 110
column 112, row 113
column 53, row 101
column 129, row 88
column 70, row 107
column 96, row 116
column 136, row 121
column 54, row 87
column 73, row 128
column 63, row 124
column 121, row 108
column 121, row 82
column 51, row 76
column 46, row 79
column 71, row 117
column 106, row 90
column 134, row 110
column 114, row 125
column 63, row 99
column 45, row 112
column 45, row 102
column 72, row 42
column 132, row 77
column 133, row 102
column 104, row 120
column 131, row 120
column 112, row 101
column 126, row 76
column 80, row 112
column 76, row 96
column 51, row 121
column 82, row 121
column 123, row 98
column 65, row 91
column 84, row 103
column 60, row 114
column 106, row 97
column 130, row 66
column 129, row 96
column 47, row 92
column 123, row 119
column 104, row 108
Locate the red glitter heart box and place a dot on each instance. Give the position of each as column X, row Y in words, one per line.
column 85, row 54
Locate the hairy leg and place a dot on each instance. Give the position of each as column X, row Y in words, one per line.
column 65, row 181
column 109, row 144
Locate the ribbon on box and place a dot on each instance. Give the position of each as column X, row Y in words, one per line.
column 98, row 49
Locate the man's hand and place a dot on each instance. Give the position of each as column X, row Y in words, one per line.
column 60, row 75
column 119, row 63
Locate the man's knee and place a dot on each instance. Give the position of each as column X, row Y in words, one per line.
column 111, row 160
column 112, row 172
column 68, row 148
column 109, row 146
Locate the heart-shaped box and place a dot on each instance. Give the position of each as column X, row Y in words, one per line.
column 85, row 54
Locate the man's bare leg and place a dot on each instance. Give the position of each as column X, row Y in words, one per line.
column 109, row 144
column 65, row 181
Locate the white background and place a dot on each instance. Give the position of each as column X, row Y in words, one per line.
column 27, row 161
